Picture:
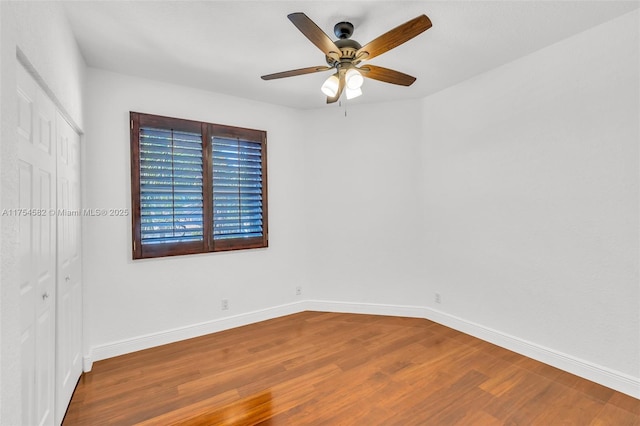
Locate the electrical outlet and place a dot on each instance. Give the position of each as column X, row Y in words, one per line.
column 225, row 304
column 437, row 298
column 299, row 291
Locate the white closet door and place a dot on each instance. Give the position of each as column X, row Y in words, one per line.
column 37, row 248
column 69, row 293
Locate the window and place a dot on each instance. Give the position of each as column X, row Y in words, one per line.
column 196, row 187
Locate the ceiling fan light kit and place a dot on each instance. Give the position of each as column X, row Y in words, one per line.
column 352, row 93
column 354, row 79
column 330, row 86
column 345, row 54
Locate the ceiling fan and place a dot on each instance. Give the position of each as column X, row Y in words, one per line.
column 345, row 54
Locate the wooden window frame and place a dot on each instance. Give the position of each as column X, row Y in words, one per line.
column 208, row 244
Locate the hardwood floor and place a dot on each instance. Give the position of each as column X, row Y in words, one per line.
column 340, row 369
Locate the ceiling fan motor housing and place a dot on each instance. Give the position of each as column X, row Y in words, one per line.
column 348, row 49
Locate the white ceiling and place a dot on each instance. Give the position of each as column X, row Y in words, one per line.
column 225, row 46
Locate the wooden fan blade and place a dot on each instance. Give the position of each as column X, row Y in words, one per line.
column 293, row 73
column 341, row 84
column 315, row 34
column 387, row 75
column 394, row 38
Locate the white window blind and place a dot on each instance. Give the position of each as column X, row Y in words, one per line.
column 171, row 186
column 237, row 188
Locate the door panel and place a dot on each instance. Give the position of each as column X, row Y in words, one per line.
column 69, row 319
column 37, row 250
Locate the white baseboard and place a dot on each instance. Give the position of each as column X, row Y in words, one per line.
column 87, row 363
column 607, row 377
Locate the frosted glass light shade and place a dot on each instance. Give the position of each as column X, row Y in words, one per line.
column 330, row 86
column 353, row 93
column 354, row 79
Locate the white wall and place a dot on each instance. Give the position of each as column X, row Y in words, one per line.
column 46, row 40
column 41, row 33
column 125, row 299
column 364, row 225
column 530, row 192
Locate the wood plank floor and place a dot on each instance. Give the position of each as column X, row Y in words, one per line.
column 316, row 368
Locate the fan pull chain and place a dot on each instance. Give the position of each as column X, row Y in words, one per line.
column 345, row 107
